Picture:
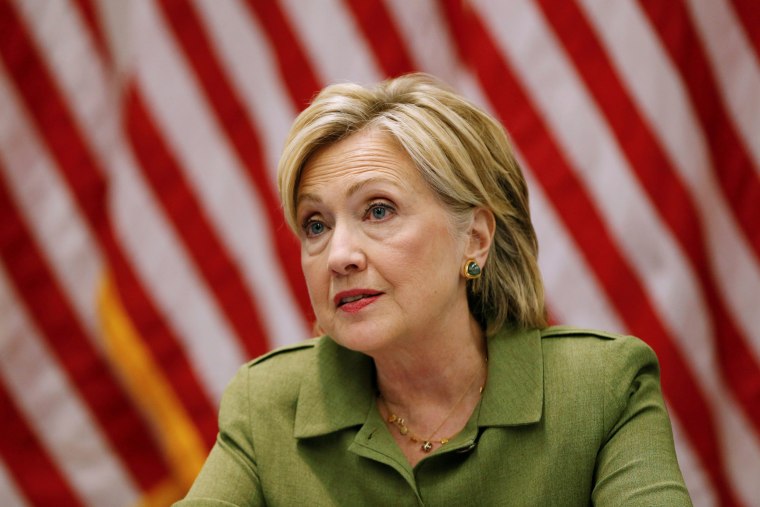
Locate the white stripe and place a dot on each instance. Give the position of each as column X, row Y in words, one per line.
column 66, row 49
column 736, row 67
column 147, row 239
column 217, row 177
column 424, row 31
column 335, row 46
column 656, row 260
column 631, row 43
column 116, row 32
column 9, row 493
column 248, row 60
column 697, row 481
column 52, row 408
column 49, row 209
column 76, row 69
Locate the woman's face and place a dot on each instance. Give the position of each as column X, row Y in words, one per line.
column 381, row 258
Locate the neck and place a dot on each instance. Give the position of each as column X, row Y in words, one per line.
column 434, row 372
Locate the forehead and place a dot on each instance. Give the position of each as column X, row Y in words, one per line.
column 366, row 155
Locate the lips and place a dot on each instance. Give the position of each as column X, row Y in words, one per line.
column 355, row 299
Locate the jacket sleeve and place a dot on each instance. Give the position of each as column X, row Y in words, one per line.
column 636, row 464
column 230, row 476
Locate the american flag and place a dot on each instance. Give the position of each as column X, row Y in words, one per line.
column 144, row 255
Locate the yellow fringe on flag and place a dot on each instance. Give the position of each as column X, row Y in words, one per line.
column 151, row 391
column 162, row 495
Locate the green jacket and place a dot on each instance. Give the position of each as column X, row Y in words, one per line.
column 569, row 417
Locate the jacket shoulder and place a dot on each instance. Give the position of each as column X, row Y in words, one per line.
column 284, row 352
column 281, row 369
column 273, row 378
column 579, row 349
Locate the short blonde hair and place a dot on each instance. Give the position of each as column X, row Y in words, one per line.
column 465, row 157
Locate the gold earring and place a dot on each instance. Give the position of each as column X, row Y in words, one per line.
column 471, row 270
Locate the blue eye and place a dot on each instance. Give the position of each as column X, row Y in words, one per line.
column 378, row 211
column 314, row 228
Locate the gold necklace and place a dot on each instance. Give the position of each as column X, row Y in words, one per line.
column 427, row 443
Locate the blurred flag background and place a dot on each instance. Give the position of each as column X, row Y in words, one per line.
column 144, row 257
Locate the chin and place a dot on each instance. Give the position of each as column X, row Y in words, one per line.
column 364, row 339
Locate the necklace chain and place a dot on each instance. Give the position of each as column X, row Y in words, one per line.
column 427, row 443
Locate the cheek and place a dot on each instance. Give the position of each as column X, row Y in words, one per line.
column 423, row 255
column 314, row 274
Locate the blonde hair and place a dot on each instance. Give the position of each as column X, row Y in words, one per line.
column 465, row 157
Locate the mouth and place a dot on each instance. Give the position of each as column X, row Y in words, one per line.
column 355, row 299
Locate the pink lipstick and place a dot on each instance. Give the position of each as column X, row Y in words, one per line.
column 351, row 301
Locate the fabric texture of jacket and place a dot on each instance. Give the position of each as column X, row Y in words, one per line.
column 568, row 417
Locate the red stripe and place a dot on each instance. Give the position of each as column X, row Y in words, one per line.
column 379, row 30
column 170, row 188
column 33, row 471
column 39, row 290
column 239, row 128
column 748, row 13
column 584, row 222
column 90, row 15
column 731, row 164
column 296, row 72
column 44, row 102
column 667, row 193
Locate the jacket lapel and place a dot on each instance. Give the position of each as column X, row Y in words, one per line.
column 514, row 392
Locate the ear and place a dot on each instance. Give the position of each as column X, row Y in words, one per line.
column 480, row 235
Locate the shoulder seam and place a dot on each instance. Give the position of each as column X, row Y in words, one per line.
column 557, row 331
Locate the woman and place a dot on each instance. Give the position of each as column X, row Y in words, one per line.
column 437, row 381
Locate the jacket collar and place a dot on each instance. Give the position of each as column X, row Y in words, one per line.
column 337, row 390
column 338, row 387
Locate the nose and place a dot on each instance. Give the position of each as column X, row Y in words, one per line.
column 346, row 255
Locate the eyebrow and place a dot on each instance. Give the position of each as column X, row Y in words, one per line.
column 359, row 185
column 356, row 187
column 307, row 197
